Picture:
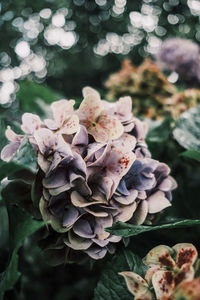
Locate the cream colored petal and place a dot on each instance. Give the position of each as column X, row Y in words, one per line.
column 101, row 224
column 186, row 254
column 79, row 201
column 70, row 126
column 137, row 286
column 62, row 110
column 125, row 212
column 140, row 214
column 160, row 255
column 163, row 283
column 77, row 243
column 90, row 109
column 87, row 90
column 157, row 202
column 107, row 128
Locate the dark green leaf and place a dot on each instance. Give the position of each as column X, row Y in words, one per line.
column 24, row 158
column 191, row 154
column 21, row 225
column 126, row 230
column 187, row 131
column 158, row 130
column 111, row 285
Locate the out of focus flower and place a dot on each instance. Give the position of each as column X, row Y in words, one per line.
column 94, row 170
column 147, row 86
column 170, row 273
column 182, row 101
column 181, row 56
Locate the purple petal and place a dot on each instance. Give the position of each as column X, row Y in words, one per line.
column 9, row 150
column 157, row 202
column 96, row 252
column 83, row 229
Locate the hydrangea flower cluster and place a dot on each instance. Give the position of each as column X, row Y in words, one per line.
column 95, row 169
column 181, row 56
column 182, row 101
column 147, row 86
column 171, row 274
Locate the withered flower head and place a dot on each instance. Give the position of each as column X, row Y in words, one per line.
column 147, row 86
column 170, row 273
column 181, row 56
column 94, row 169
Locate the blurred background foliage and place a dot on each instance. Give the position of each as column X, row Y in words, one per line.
column 51, row 49
column 73, row 43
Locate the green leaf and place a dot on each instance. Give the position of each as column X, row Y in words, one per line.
column 156, row 128
column 111, row 285
column 21, row 225
column 187, row 131
column 24, row 158
column 30, row 95
column 191, row 154
column 126, row 230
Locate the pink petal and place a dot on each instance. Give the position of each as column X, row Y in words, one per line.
column 81, row 137
column 126, row 141
column 157, row 202
column 71, row 126
column 118, row 162
column 87, row 90
column 62, row 110
column 107, row 128
column 51, row 124
column 12, row 136
column 9, row 150
column 30, row 123
column 90, row 109
column 45, row 139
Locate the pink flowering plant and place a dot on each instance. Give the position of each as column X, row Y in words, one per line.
column 94, row 170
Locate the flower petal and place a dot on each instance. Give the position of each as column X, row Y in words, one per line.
column 126, row 141
column 163, row 283
column 186, row 254
column 70, row 216
column 30, row 123
column 79, row 201
column 45, row 139
column 81, row 137
column 107, row 128
column 62, row 110
column 12, row 136
column 126, row 200
column 83, row 229
column 70, row 126
column 9, row 150
column 77, row 243
column 87, row 90
column 90, row 109
column 140, row 213
column 160, row 255
column 137, row 286
column 96, row 252
column 125, row 212
column 101, row 224
column 157, row 202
